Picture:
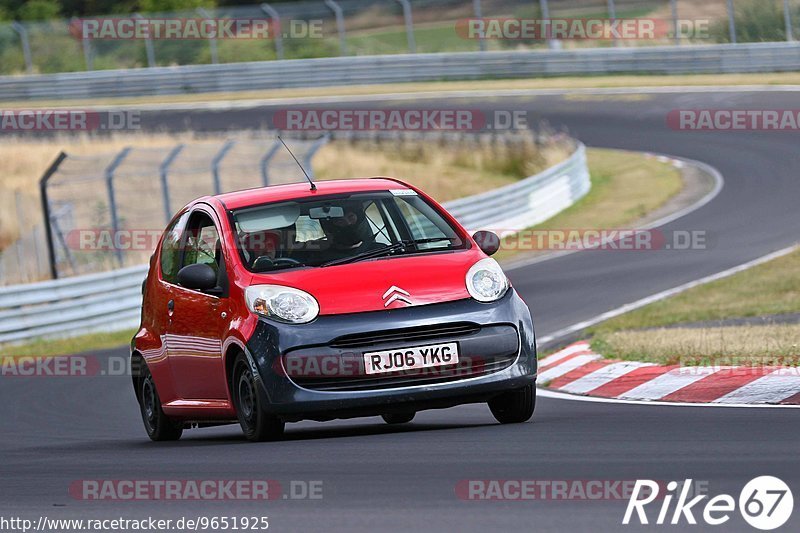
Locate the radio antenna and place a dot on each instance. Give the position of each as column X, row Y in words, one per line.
column 313, row 187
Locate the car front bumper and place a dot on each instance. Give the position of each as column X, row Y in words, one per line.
column 497, row 343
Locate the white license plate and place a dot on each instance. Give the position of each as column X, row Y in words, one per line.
column 429, row 356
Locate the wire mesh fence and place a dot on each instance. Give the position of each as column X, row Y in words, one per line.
column 327, row 28
column 106, row 211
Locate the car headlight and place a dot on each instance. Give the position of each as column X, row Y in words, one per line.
column 286, row 304
column 486, row 281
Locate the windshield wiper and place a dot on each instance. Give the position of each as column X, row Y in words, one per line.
column 367, row 255
column 392, row 248
column 416, row 242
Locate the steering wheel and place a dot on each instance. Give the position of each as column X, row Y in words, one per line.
column 286, row 261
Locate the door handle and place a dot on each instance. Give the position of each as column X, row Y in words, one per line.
column 171, row 305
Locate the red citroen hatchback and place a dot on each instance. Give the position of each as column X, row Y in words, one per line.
column 343, row 299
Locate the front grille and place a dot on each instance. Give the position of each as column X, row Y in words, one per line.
column 421, row 333
column 483, row 350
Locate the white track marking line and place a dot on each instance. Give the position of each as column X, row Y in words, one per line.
column 567, row 366
column 771, row 388
column 566, row 352
column 601, row 376
column 666, row 294
column 665, row 384
column 546, row 393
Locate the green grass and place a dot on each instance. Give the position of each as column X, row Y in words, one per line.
column 625, row 187
column 768, row 289
column 68, row 346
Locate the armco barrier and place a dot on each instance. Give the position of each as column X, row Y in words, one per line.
column 111, row 301
column 708, row 59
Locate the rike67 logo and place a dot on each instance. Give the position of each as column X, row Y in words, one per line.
column 765, row 503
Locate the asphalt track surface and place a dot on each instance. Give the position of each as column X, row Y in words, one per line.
column 58, row 430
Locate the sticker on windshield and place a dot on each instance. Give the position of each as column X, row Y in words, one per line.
column 403, row 192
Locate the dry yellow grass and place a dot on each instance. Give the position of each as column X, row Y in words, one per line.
column 445, row 172
column 769, row 289
column 24, row 160
column 777, row 344
column 626, row 186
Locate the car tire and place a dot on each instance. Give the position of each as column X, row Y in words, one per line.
column 398, row 418
column 257, row 424
column 159, row 426
column 515, row 406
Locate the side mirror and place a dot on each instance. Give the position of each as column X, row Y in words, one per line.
column 487, row 241
column 199, row 277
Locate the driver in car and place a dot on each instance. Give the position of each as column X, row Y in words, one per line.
column 348, row 235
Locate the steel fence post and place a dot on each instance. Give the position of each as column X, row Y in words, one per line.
column 319, row 143
column 673, row 4
column 86, row 44
column 337, row 11
column 544, row 7
column 163, row 172
column 22, row 31
column 787, row 16
column 212, row 41
column 48, row 230
column 612, row 16
column 216, row 162
column 476, row 7
column 148, row 44
column 273, row 14
column 265, row 161
column 731, row 22
column 409, row 21
column 112, row 201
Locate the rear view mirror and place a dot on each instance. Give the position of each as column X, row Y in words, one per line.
column 199, row 277
column 487, row 241
column 325, row 212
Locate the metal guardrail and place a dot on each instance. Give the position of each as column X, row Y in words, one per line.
column 159, row 81
column 528, row 202
column 111, row 301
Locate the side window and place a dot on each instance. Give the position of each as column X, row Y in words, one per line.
column 171, row 250
column 202, row 242
column 420, row 225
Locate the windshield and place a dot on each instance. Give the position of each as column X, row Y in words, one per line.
column 342, row 229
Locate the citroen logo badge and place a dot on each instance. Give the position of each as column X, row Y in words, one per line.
column 396, row 294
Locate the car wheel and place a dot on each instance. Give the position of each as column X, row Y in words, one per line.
column 159, row 426
column 398, row 418
column 515, row 406
column 257, row 424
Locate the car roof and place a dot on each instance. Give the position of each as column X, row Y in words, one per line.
column 302, row 190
